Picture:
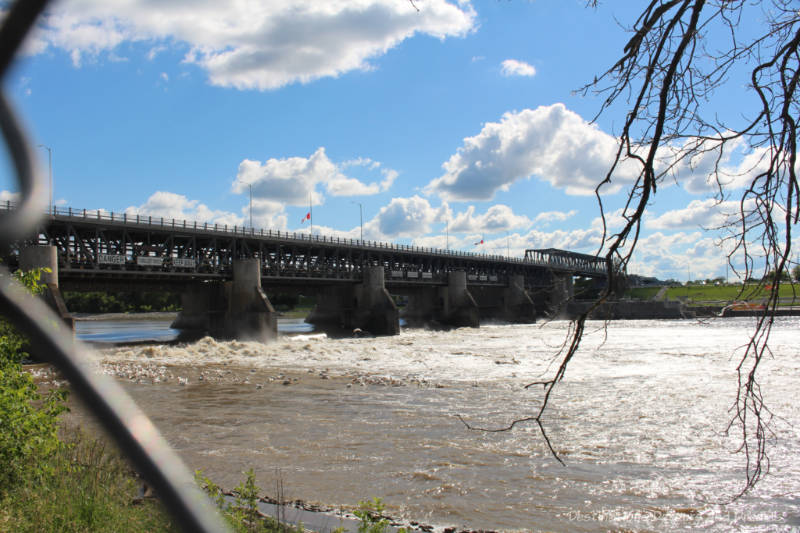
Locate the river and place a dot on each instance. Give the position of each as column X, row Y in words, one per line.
column 639, row 421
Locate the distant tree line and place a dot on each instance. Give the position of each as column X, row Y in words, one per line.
column 143, row 302
column 121, row 302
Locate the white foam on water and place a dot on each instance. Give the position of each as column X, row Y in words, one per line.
column 639, row 419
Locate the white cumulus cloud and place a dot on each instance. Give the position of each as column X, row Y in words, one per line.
column 514, row 67
column 403, row 217
column 170, row 205
column 497, row 218
column 709, row 213
column 251, row 45
column 293, row 180
column 546, row 217
column 550, row 142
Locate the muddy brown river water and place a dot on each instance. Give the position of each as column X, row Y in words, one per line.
column 639, row 421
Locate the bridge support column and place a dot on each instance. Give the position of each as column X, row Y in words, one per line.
column 562, row 291
column 366, row 306
column 237, row 309
column 518, row 305
column 460, row 308
column 32, row 257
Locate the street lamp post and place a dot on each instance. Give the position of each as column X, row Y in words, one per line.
column 50, row 171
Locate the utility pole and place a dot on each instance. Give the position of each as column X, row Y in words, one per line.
column 50, row 169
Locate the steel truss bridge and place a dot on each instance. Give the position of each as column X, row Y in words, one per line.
column 105, row 250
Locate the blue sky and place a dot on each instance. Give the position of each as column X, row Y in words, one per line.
column 461, row 115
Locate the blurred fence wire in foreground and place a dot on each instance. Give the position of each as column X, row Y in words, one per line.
column 51, row 341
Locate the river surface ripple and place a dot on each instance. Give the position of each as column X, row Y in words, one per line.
column 639, row 420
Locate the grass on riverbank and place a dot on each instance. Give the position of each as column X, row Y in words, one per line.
column 718, row 293
column 297, row 312
column 87, row 485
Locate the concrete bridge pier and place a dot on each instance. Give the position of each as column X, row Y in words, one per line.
column 367, row 306
column 511, row 303
column 459, row 307
column 237, row 309
column 518, row 305
column 561, row 292
column 32, row 257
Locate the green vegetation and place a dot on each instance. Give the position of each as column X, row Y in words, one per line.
column 370, row 512
column 642, row 293
column 28, row 420
column 121, row 302
column 292, row 305
column 698, row 293
column 242, row 512
column 53, row 483
column 87, row 487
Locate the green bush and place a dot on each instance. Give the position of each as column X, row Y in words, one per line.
column 241, row 511
column 28, row 420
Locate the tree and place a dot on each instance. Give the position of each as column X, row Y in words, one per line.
column 666, row 78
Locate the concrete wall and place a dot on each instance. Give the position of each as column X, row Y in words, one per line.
column 237, row 309
column 32, row 257
column 366, row 306
column 631, row 310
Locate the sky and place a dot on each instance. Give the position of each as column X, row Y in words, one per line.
column 439, row 123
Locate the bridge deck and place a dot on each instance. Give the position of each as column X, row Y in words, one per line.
column 105, row 247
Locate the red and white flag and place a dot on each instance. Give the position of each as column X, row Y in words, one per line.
column 307, row 217
column 480, row 242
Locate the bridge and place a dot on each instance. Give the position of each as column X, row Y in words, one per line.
column 223, row 271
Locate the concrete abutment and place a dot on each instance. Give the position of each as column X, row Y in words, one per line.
column 453, row 305
column 367, row 306
column 32, row 257
column 237, row 309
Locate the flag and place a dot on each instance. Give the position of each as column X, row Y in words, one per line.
column 307, row 217
column 477, row 243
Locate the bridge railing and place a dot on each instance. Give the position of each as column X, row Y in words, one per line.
column 172, row 223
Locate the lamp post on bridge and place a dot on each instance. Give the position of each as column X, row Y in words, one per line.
column 50, row 171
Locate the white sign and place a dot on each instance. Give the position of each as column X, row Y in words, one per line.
column 484, row 277
column 427, row 275
column 411, row 274
column 184, row 262
column 110, row 259
column 472, row 277
column 149, row 261
column 397, row 273
column 492, row 278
